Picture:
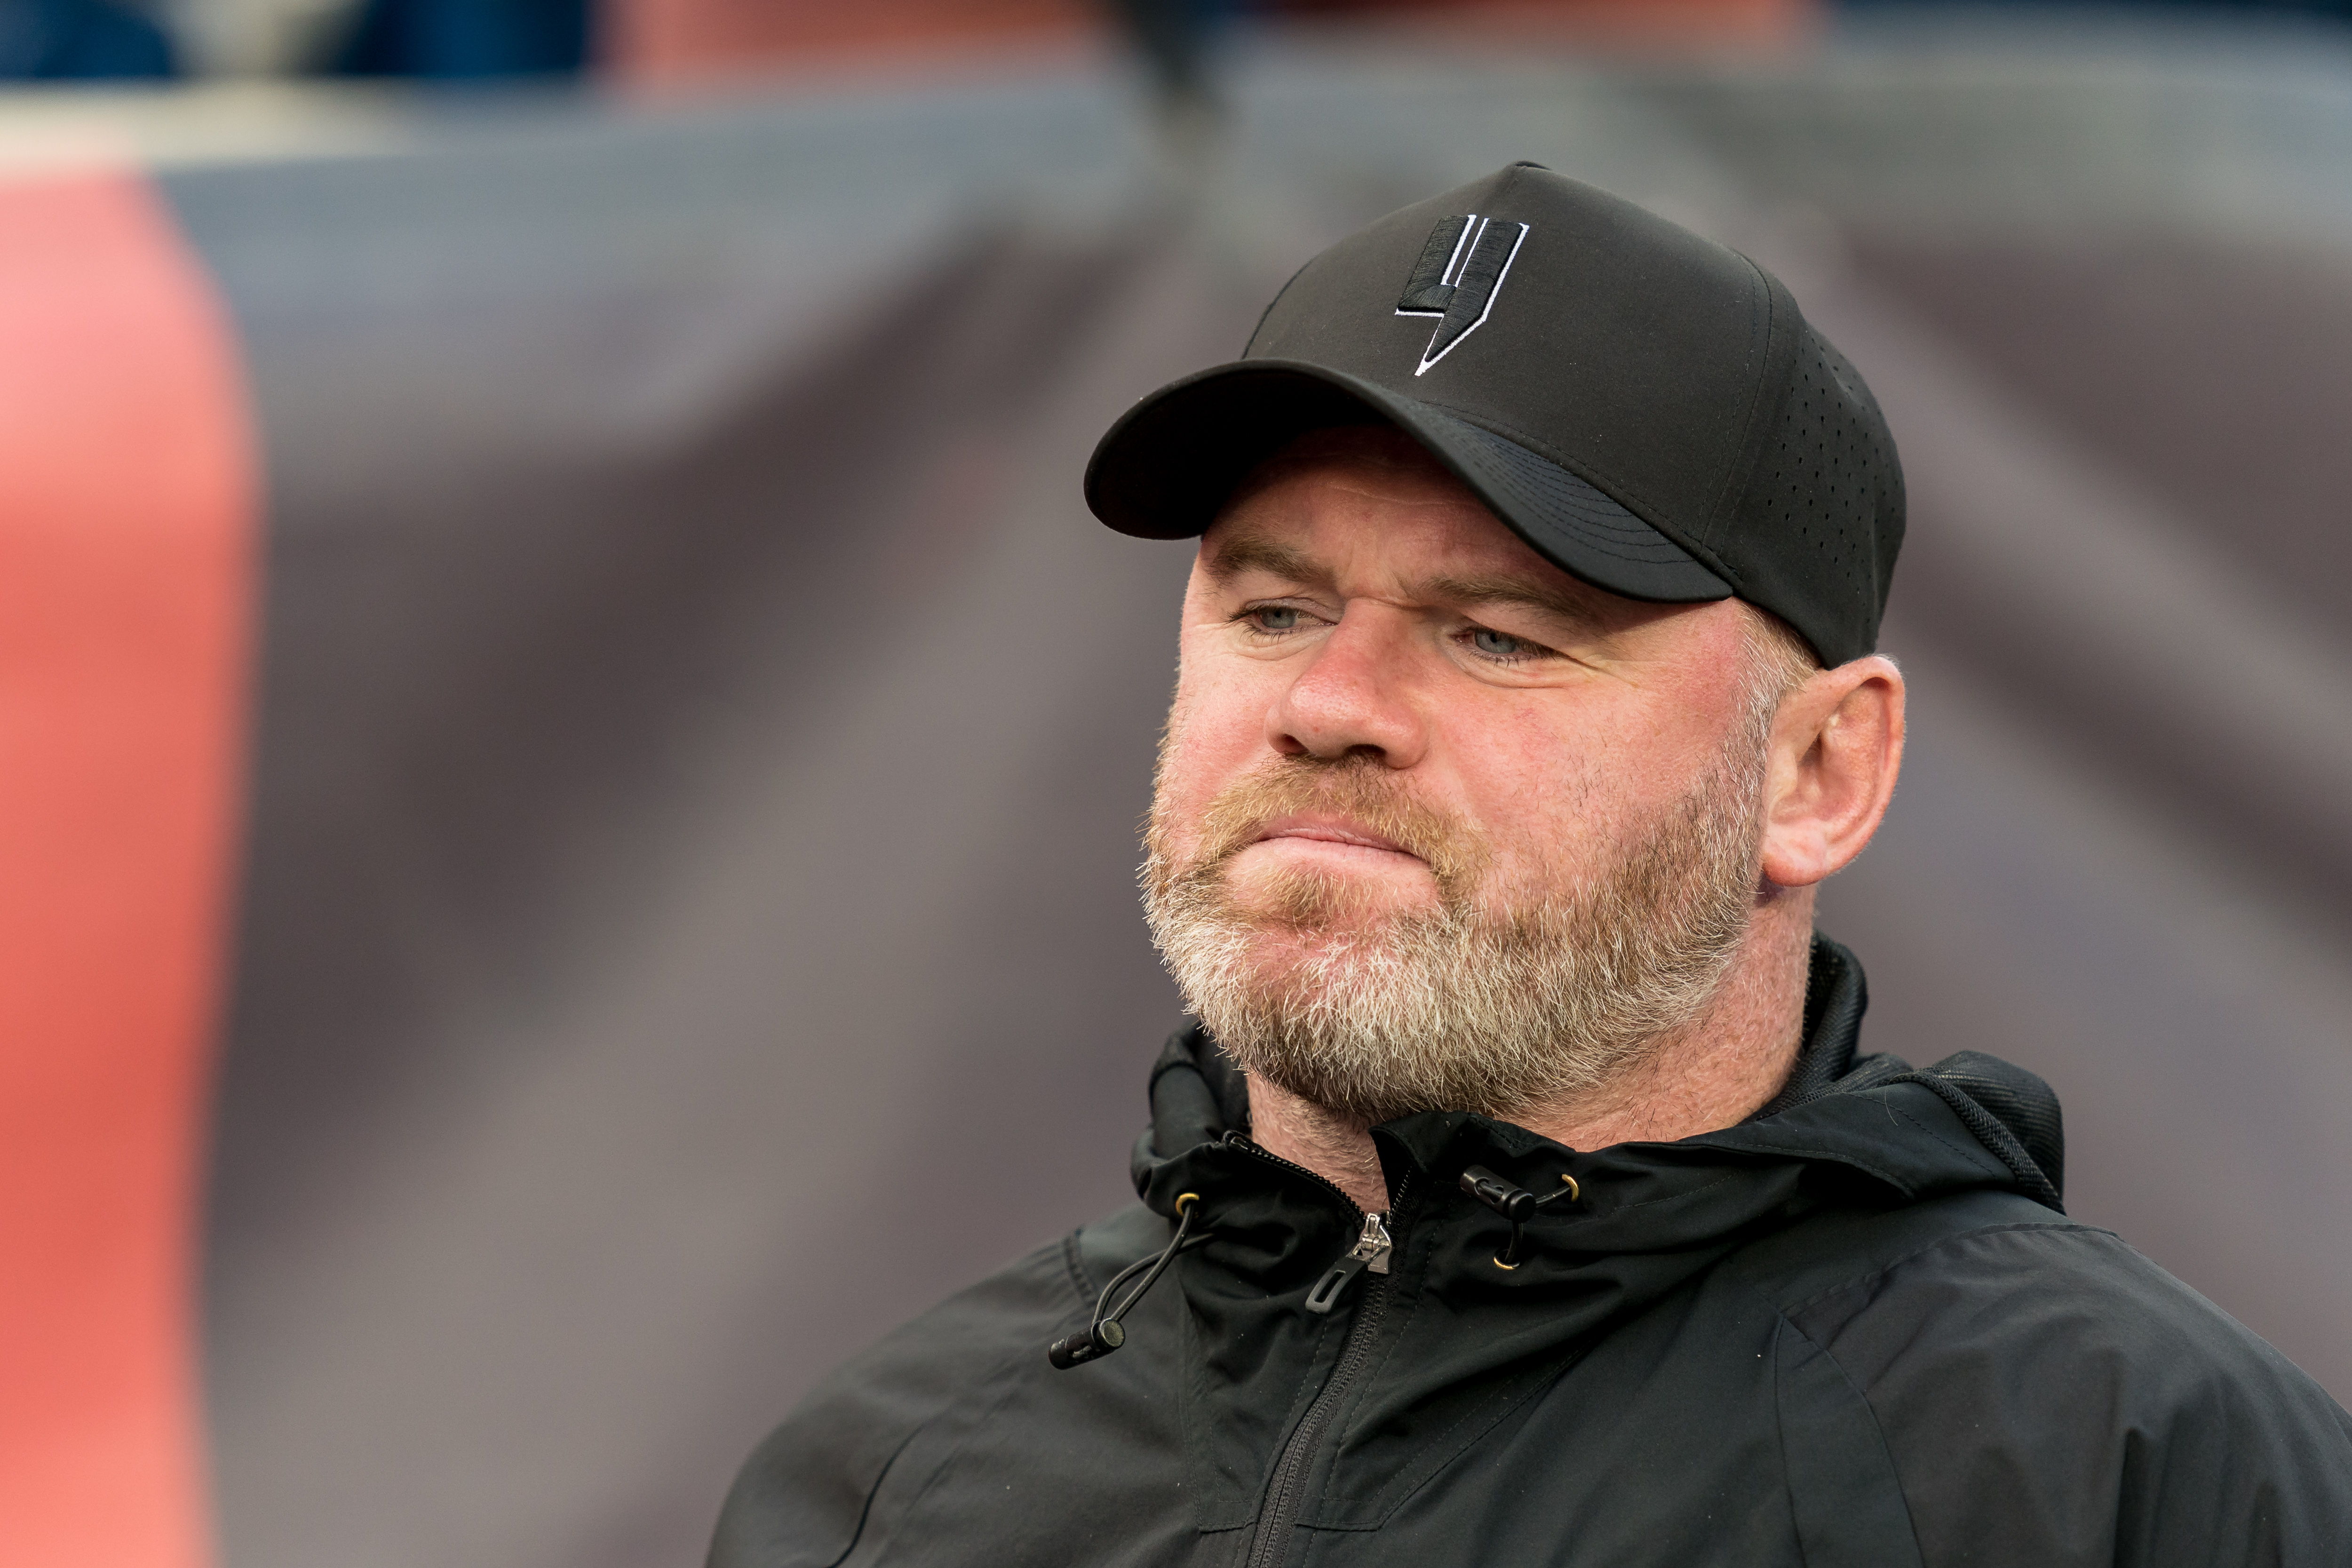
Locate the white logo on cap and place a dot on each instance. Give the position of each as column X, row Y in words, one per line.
column 1461, row 270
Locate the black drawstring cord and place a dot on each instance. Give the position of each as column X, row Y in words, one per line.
column 1514, row 1204
column 1104, row 1335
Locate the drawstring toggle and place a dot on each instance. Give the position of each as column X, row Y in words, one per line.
column 1515, row 1203
column 1103, row 1334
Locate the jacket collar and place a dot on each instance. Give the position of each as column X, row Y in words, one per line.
column 1200, row 1103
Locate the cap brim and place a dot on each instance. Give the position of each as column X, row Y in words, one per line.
column 1165, row 470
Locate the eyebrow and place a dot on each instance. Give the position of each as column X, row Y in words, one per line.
column 1247, row 553
column 1527, row 592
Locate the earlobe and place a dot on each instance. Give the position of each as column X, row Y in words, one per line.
column 1836, row 748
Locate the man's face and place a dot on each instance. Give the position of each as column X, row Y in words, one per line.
column 1437, row 825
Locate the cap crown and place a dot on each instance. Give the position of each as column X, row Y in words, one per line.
column 1670, row 373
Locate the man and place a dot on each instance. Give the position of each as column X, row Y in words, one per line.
column 1521, row 1193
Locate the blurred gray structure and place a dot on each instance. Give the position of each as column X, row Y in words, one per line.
column 690, row 923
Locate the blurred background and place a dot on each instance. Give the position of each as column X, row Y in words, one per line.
column 570, row 754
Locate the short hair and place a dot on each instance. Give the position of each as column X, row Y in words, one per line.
column 1782, row 659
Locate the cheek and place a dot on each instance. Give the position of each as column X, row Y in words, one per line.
column 1559, row 789
column 1532, row 786
column 1216, row 733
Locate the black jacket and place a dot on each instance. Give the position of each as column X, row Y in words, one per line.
column 1854, row 1332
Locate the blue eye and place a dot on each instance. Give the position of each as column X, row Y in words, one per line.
column 1495, row 645
column 1276, row 618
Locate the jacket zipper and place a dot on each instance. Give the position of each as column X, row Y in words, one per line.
column 1372, row 1247
column 1370, row 1255
column 1242, row 1141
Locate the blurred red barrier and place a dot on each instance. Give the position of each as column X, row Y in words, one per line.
column 658, row 41
column 127, row 502
column 666, row 41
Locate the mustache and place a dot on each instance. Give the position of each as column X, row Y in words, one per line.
column 1357, row 787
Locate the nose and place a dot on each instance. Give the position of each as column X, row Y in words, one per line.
column 1354, row 695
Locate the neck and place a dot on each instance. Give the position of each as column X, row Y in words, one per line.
column 1712, row 1073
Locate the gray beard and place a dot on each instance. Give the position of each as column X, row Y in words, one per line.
column 1535, row 996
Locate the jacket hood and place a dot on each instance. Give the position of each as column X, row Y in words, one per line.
column 1850, row 1130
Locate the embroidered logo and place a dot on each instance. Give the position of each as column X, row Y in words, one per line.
column 1460, row 272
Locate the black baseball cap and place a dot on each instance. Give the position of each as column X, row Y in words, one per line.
column 1644, row 407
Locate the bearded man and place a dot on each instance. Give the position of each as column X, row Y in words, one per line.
column 1521, row 1193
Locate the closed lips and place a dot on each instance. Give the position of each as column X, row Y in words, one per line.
column 1325, row 831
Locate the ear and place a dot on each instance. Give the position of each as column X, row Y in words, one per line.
column 1837, row 744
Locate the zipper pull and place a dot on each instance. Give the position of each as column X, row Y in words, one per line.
column 1370, row 1254
column 1374, row 1245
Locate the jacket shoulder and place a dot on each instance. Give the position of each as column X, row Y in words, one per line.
column 802, row 1497
column 2048, row 1394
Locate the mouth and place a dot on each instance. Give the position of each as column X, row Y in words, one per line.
column 1339, row 832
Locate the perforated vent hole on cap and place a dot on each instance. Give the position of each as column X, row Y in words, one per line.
column 1825, row 467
